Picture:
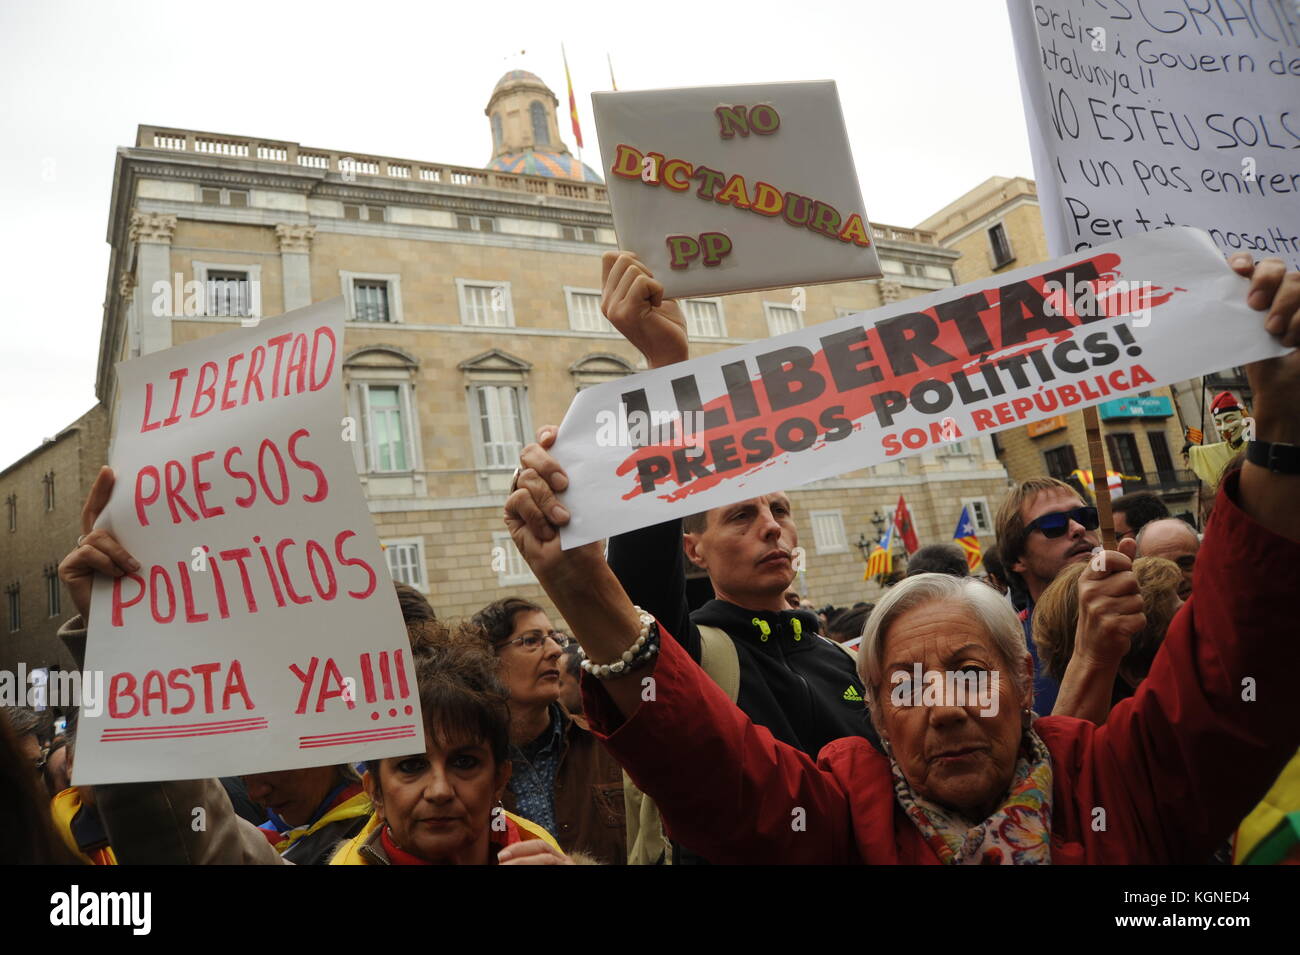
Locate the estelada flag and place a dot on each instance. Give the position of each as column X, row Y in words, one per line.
column 903, row 521
column 573, row 103
column 964, row 535
column 881, row 560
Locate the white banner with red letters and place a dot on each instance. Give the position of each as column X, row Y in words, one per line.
column 879, row 386
column 262, row 631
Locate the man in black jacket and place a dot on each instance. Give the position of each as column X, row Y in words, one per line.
column 802, row 687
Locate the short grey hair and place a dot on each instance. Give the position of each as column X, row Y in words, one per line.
column 987, row 606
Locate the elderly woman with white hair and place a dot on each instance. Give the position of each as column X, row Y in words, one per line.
column 969, row 775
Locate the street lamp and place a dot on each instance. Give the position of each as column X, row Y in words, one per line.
column 864, row 545
column 879, row 520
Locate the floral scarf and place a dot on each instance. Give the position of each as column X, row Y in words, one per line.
column 1018, row 833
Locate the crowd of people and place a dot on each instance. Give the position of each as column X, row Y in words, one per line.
column 1090, row 707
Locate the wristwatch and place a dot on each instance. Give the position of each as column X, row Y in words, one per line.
column 1282, row 458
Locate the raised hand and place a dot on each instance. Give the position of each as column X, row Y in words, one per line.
column 97, row 551
column 1110, row 606
column 534, row 514
column 634, row 303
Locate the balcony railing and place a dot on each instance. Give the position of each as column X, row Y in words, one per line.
column 351, row 165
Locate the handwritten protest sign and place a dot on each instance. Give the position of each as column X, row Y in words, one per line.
column 262, row 631
column 734, row 188
column 867, row 388
column 1142, row 116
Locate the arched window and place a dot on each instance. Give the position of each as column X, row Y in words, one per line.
column 541, row 135
column 496, row 129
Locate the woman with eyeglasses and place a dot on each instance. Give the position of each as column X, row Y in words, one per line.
column 563, row 779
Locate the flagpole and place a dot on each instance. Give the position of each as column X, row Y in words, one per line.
column 612, row 84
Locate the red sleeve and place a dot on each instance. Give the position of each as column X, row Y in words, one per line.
column 1218, row 716
column 725, row 788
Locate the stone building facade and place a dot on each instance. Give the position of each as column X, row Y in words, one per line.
column 43, row 493
column 998, row 227
column 473, row 319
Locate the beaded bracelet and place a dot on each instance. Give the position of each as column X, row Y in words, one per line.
column 634, row 657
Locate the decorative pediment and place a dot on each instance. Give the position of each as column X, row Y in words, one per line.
column 602, row 363
column 381, row 356
column 495, row 360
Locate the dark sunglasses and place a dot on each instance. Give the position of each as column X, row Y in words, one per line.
column 1058, row 522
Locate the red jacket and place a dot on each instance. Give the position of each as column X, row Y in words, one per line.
column 1175, row 768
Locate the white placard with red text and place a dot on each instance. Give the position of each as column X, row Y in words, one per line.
column 882, row 385
column 262, row 632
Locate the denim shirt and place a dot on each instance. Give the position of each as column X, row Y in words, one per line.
column 536, row 765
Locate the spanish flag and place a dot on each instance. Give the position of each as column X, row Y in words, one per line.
column 573, row 103
column 966, row 539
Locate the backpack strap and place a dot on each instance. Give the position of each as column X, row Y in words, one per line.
column 718, row 658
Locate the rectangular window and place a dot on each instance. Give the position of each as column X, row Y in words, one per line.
column 584, row 312
column 53, row 594
column 1160, row 455
column 1060, row 462
column 485, row 303
column 387, row 429
column 405, row 562
column 978, row 509
column 501, row 426
column 48, row 481
column 15, row 608
column 11, row 504
column 363, row 213
column 1001, row 245
column 476, row 223
column 370, row 300
column 228, row 294
column 578, row 233
column 703, row 318
column 782, row 319
column 1123, row 452
column 828, row 532
column 225, row 197
column 510, row 564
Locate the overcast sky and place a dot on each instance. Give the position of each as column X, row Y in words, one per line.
column 928, row 87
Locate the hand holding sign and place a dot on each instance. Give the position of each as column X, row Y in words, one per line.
column 97, row 551
column 1110, row 607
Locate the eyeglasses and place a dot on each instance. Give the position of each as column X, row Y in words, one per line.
column 532, row 642
column 1058, row 522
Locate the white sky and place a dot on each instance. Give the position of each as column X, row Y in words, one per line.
column 929, row 91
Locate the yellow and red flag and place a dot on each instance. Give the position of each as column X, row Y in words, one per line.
column 966, row 539
column 881, row 561
column 573, row 103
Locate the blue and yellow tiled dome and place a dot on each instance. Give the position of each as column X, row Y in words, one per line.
column 539, row 162
column 525, row 127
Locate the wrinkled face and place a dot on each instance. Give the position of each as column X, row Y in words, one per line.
column 532, row 677
column 438, row 804
column 1045, row 557
column 1229, row 424
column 1172, row 542
column 951, row 755
column 748, row 548
column 294, row 794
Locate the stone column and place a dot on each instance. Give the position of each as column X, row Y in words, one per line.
column 295, row 263
column 130, row 310
column 152, row 234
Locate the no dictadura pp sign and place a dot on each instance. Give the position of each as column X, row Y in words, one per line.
column 262, row 631
column 732, row 188
column 867, row 388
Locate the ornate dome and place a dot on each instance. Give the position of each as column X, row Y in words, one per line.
column 544, row 162
column 518, row 76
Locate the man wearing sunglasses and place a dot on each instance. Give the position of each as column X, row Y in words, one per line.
column 1043, row 527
